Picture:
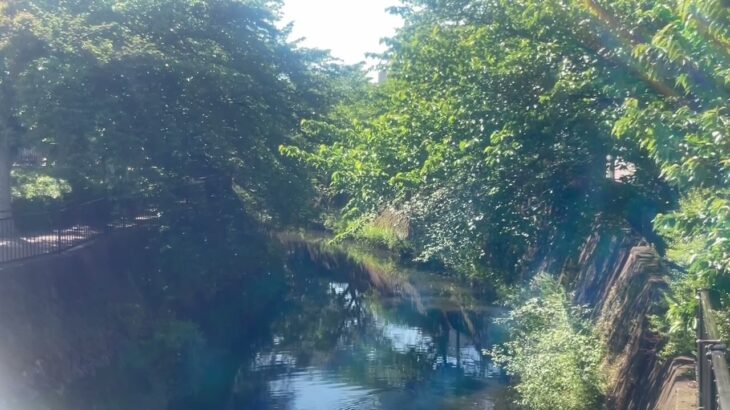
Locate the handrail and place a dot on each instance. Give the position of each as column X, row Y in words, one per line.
column 713, row 375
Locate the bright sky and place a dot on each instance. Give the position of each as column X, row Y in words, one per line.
column 348, row 28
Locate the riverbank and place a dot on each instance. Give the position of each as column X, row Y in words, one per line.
column 622, row 281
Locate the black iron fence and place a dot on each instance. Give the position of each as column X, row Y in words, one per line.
column 713, row 376
column 32, row 234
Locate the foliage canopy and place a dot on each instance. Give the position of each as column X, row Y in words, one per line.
column 134, row 95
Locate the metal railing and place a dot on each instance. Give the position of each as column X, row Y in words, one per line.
column 713, row 376
column 32, row 234
column 28, row 235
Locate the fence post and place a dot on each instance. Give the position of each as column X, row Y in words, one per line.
column 705, row 376
column 58, row 234
column 713, row 375
column 721, row 373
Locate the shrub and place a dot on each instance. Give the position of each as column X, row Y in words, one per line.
column 553, row 353
column 34, row 185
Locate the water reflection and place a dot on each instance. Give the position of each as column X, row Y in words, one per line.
column 319, row 331
column 342, row 345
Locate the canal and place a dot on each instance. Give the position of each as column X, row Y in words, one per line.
column 334, row 327
column 360, row 332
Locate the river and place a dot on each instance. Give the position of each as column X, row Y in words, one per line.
column 364, row 333
column 333, row 328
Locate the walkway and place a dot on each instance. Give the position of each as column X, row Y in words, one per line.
column 679, row 391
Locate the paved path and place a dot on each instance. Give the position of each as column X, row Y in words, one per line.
column 26, row 246
column 680, row 389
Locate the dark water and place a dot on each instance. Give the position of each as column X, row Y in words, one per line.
column 329, row 330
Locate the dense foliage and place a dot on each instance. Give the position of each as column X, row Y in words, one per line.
column 124, row 96
column 492, row 133
column 687, row 44
column 172, row 103
column 553, row 351
column 493, row 129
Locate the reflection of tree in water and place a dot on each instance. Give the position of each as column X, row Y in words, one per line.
column 244, row 344
column 344, row 331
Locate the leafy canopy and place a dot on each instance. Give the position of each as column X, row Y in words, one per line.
column 492, row 132
column 144, row 94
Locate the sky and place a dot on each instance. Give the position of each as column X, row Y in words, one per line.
column 348, row 28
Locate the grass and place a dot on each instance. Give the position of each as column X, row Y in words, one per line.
column 381, row 236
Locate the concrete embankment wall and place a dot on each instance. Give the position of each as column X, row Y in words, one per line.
column 623, row 280
column 61, row 315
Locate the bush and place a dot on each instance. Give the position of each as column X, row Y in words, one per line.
column 699, row 245
column 34, row 185
column 553, row 353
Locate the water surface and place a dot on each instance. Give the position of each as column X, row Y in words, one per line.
column 411, row 340
column 325, row 329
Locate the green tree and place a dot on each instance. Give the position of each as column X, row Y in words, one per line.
column 493, row 130
column 492, row 133
column 686, row 45
column 144, row 95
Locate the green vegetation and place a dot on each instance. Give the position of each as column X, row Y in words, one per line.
column 492, row 139
column 553, row 351
column 144, row 95
column 486, row 151
column 30, row 184
column 380, row 235
column 493, row 130
column 687, row 132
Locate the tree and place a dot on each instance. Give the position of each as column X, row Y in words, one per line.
column 686, row 45
column 143, row 95
column 553, row 350
column 492, row 133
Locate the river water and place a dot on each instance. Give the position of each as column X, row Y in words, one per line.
column 331, row 329
column 373, row 335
